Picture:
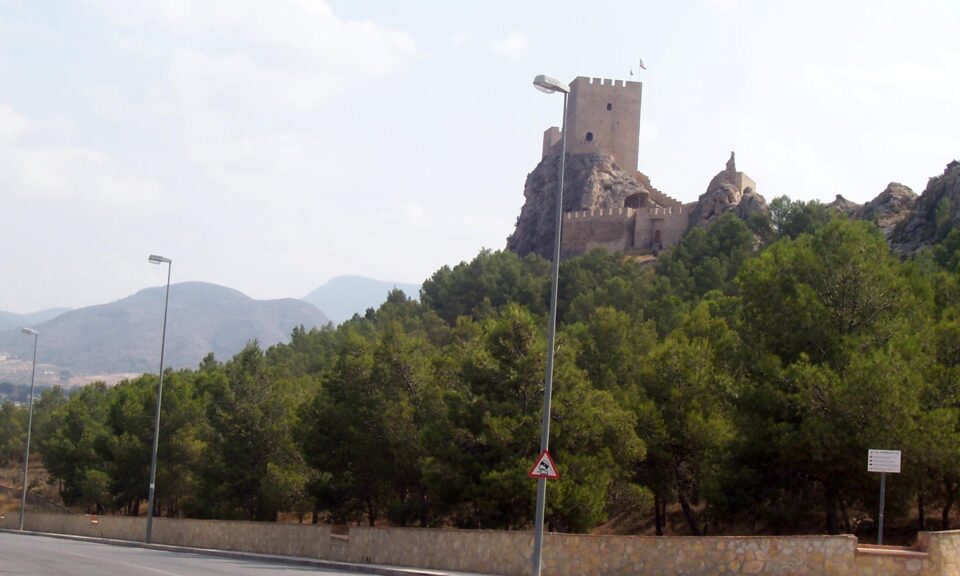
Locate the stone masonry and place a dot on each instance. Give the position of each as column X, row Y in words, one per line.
column 603, row 119
column 508, row 553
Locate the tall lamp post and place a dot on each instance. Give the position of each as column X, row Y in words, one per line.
column 154, row 259
column 550, row 85
column 26, row 450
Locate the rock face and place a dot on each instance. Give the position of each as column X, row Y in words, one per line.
column 728, row 191
column 592, row 181
column 887, row 210
column 934, row 213
column 844, row 206
column 751, row 203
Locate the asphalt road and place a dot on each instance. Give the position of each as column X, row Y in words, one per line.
column 41, row 556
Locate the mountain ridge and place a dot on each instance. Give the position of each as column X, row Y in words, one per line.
column 124, row 336
column 11, row 320
column 343, row 296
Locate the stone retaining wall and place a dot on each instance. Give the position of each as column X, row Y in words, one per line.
column 508, row 553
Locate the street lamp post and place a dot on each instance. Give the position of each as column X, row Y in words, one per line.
column 550, row 85
column 154, row 259
column 26, row 450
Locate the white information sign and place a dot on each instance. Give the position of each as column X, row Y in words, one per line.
column 883, row 461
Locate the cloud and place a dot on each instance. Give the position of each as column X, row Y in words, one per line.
column 722, row 4
column 242, row 87
column 237, row 57
column 240, row 124
column 58, row 172
column 874, row 85
column 459, row 40
column 513, row 46
column 296, row 34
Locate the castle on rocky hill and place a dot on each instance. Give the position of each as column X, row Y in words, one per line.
column 608, row 202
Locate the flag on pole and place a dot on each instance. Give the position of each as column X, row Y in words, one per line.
column 641, row 64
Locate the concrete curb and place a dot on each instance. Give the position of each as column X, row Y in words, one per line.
column 377, row 569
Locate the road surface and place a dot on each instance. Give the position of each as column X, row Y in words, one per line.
column 22, row 554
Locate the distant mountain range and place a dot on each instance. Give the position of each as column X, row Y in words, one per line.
column 343, row 296
column 11, row 320
column 123, row 337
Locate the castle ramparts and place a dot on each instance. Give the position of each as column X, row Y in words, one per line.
column 601, row 214
column 603, row 115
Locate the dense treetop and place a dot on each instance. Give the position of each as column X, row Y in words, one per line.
column 743, row 378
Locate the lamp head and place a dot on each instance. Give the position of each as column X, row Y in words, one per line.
column 550, row 85
column 29, row 332
column 154, row 259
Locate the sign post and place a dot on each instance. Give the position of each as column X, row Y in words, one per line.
column 884, row 462
column 544, row 467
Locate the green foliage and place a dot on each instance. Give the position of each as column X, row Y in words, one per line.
column 11, row 432
column 708, row 258
column 809, row 295
column 250, row 416
column 491, row 280
column 943, row 219
column 742, row 378
column 791, row 218
column 947, row 252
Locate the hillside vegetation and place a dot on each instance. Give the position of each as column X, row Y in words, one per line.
column 741, row 378
column 124, row 336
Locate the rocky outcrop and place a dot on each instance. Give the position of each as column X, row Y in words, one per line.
column 934, row 213
column 844, row 206
column 727, row 193
column 751, row 203
column 592, row 181
column 887, row 210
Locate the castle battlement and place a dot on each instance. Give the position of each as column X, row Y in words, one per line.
column 611, row 83
column 604, row 114
column 601, row 214
column 663, row 199
column 657, row 211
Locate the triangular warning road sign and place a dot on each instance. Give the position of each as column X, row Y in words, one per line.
column 544, row 468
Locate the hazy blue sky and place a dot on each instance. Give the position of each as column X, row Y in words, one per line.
column 269, row 146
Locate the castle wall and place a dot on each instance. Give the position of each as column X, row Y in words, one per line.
column 662, row 199
column 616, row 130
column 659, row 228
column 744, row 182
column 551, row 136
column 611, row 230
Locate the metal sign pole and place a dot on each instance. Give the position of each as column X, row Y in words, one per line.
column 883, row 494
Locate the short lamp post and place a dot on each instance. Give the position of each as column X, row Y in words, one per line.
column 154, row 259
column 26, row 450
column 550, row 85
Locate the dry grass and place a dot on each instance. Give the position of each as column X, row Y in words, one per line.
column 41, row 496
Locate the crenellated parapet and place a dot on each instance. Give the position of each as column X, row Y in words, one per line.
column 660, row 212
column 663, row 199
column 604, row 114
column 580, row 81
column 620, row 213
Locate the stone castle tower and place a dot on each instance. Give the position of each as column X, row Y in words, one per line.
column 608, row 202
column 602, row 115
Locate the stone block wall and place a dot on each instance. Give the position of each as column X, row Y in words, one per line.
column 551, row 137
column 609, row 110
column 944, row 549
column 611, row 230
column 508, row 553
column 659, row 228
